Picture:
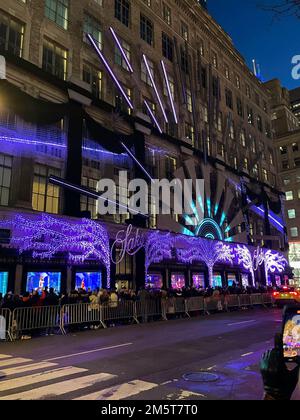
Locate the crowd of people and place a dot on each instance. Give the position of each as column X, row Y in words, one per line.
column 48, row 297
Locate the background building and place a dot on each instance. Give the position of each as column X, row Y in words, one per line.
column 62, row 114
column 287, row 140
column 295, row 101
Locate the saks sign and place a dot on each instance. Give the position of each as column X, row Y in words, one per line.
column 128, row 242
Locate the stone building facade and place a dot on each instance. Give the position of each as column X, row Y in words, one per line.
column 223, row 112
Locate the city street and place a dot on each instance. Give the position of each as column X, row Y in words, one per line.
column 143, row 362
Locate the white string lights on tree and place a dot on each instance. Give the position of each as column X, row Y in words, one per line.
column 47, row 237
column 158, row 247
column 207, row 251
column 274, row 263
column 245, row 259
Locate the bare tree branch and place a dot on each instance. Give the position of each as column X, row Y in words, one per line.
column 282, row 8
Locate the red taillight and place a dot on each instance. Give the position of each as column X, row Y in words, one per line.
column 275, row 294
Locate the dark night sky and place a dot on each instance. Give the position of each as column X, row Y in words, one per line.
column 257, row 35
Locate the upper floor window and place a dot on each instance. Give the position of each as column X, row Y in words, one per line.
column 11, row 35
column 167, row 47
column 55, row 59
column 57, row 10
column 5, row 179
column 93, row 77
column 184, row 31
column 215, row 60
column 184, row 61
column 229, row 98
column 147, row 30
column 89, row 204
column 45, row 196
column 119, row 59
column 144, row 73
column 122, row 11
column 92, row 26
column 167, row 14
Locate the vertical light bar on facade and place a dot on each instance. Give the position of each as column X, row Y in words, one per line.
column 122, row 51
column 153, row 117
column 108, row 68
column 155, row 88
column 169, row 91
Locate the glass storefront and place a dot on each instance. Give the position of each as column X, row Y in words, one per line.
column 231, row 279
column 88, row 281
column 3, row 282
column 217, row 280
column 154, row 282
column 199, row 281
column 38, row 281
column 177, row 281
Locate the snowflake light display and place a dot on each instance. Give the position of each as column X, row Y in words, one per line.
column 46, row 237
column 245, row 260
column 158, row 247
column 210, row 252
column 274, row 263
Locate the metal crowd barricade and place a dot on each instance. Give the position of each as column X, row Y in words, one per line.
column 119, row 311
column 257, row 300
column 268, row 299
column 232, row 301
column 181, row 306
column 5, row 324
column 215, row 304
column 195, row 304
column 81, row 314
column 245, row 301
column 149, row 308
column 35, row 318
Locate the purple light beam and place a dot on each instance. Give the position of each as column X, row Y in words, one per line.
column 153, row 117
column 108, row 68
column 155, row 88
column 137, row 162
column 121, row 49
column 169, row 91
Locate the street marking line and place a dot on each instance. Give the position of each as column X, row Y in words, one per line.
column 26, row 368
column 17, row 361
column 39, row 378
column 247, row 354
column 241, row 323
column 59, row 388
column 5, row 356
column 119, row 392
column 67, row 356
column 212, row 367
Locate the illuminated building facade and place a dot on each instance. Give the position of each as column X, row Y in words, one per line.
column 165, row 80
column 287, row 140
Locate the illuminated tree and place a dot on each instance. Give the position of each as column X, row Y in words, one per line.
column 210, row 252
column 246, row 260
column 47, row 237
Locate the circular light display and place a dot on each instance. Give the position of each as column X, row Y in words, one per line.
column 209, row 229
